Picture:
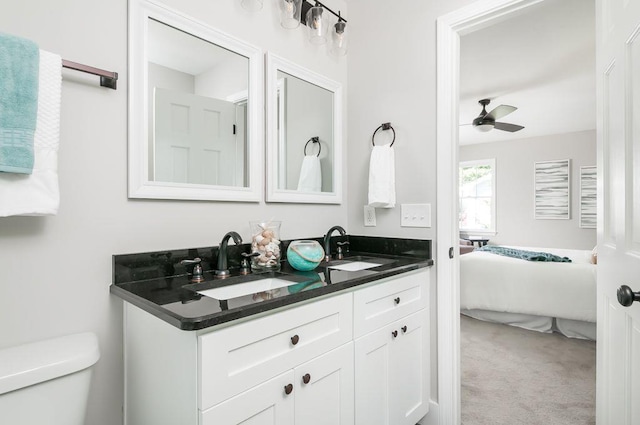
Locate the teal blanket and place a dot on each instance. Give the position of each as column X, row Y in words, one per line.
column 524, row 255
column 19, row 73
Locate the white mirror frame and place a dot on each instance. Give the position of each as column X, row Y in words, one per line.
column 139, row 184
column 274, row 64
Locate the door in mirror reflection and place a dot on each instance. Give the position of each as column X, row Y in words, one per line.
column 195, row 140
column 305, row 112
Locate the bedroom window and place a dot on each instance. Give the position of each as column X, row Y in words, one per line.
column 477, row 193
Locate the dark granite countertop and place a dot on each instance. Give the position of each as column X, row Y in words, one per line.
column 157, row 283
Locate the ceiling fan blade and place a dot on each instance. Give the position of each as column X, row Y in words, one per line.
column 508, row 127
column 500, row 111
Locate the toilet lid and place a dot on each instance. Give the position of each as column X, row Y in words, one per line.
column 41, row 361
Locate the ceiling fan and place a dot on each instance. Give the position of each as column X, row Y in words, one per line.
column 486, row 121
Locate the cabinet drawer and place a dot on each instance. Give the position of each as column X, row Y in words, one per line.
column 239, row 357
column 381, row 304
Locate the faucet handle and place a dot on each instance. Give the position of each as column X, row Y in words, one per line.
column 196, row 275
column 339, row 254
column 194, row 261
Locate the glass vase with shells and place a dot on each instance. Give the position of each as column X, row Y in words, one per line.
column 265, row 240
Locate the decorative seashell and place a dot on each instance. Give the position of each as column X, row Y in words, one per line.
column 265, row 241
column 269, row 254
column 268, row 233
column 258, row 238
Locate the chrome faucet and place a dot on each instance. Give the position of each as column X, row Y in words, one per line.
column 327, row 241
column 222, row 270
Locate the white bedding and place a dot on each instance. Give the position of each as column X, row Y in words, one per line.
column 559, row 290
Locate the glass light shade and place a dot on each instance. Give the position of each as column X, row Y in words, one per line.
column 251, row 4
column 318, row 25
column 339, row 39
column 290, row 11
column 484, row 127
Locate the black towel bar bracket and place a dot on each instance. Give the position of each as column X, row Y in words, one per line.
column 384, row 126
column 107, row 78
column 315, row 139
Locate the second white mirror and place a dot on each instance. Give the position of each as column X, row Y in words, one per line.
column 304, row 135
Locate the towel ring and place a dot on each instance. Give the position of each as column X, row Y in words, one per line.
column 314, row 140
column 384, row 126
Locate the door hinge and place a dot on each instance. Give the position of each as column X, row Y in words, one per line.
column 234, row 129
column 451, row 252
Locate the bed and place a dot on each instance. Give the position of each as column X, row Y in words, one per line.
column 541, row 296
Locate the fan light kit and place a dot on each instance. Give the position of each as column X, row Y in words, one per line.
column 486, row 121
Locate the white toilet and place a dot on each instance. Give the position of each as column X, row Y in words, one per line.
column 47, row 382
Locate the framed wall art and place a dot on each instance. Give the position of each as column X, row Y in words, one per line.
column 588, row 177
column 552, row 190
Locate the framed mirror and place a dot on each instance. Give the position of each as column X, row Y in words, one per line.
column 195, row 109
column 304, row 135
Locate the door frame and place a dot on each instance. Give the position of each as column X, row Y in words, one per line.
column 450, row 27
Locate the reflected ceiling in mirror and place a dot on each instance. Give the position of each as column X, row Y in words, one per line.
column 194, row 108
column 304, row 135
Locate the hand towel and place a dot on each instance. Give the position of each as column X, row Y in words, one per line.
column 382, row 177
column 38, row 193
column 310, row 175
column 18, row 103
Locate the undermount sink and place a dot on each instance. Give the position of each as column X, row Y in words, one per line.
column 358, row 262
column 246, row 288
column 352, row 266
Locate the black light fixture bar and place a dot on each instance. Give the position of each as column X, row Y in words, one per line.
column 306, row 6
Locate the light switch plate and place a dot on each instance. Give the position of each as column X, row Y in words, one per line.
column 415, row 215
column 369, row 216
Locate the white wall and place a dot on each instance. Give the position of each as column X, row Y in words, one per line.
column 55, row 272
column 515, row 159
column 392, row 76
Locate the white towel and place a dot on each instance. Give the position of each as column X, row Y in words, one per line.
column 382, row 177
column 38, row 193
column 310, row 175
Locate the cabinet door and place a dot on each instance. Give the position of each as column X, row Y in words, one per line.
column 372, row 361
column 392, row 373
column 324, row 389
column 409, row 381
column 265, row 404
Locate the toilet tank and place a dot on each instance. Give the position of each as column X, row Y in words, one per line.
column 47, row 382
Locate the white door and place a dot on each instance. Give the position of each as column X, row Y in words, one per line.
column 324, row 389
column 194, row 139
column 618, row 68
column 270, row 403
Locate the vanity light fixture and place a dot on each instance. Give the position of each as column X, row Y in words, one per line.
column 290, row 12
column 316, row 18
column 252, row 5
column 317, row 24
column 339, row 37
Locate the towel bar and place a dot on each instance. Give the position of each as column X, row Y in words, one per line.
column 107, row 78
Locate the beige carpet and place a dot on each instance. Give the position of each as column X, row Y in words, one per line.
column 511, row 376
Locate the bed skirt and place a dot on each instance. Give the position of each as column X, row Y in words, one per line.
column 570, row 328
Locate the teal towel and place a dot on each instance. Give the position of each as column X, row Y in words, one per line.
column 19, row 69
column 524, row 255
